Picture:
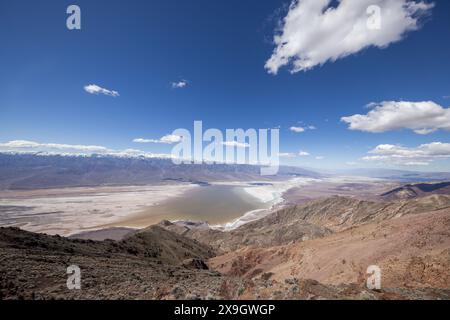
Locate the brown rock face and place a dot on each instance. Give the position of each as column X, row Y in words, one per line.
column 195, row 264
column 412, row 251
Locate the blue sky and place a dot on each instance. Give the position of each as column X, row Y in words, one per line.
column 139, row 48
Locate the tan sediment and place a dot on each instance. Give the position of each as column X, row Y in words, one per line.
column 73, row 210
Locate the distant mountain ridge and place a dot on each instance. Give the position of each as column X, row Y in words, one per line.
column 410, row 191
column 28, row 171
column 397, row 175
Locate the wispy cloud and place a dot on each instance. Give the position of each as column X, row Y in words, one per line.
column 297, row 129
column 294, row 155
column 179, row 84
column 235, row 144
column 95, row 89
column 31, row 145
column 422, row 155
column 421, row 117
column 26, row 146
column 320, row 158
column 314, row 32
column 167, row 139
column 300, row 129
column 304, row 153
column 286, row 155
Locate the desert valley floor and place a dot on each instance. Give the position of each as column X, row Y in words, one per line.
column 315, row 244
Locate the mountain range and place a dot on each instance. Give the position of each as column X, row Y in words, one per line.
column 30, row 171
column 22, row 171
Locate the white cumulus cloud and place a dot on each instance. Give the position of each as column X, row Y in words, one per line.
column 314, row 32
column 167, row 139
column 301, row 129
column 303, row 154
column 95, row 89
column 422, row 155
column 297, row 129
column 179, row 84
column 421, row 117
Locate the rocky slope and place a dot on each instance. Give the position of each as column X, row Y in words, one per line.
column 115, row 233
column 314, row 219
column 33, row 266
column 412, row 251
column 410, row 191
column 150, row 264
column 252, row 234
column 319, row 250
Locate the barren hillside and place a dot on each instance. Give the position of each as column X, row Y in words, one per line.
column 412, row 251
column 319, row 250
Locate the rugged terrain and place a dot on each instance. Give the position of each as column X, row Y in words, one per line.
column 317, row 250
column 151, row 264
column 314, row 219
column 412, row 251
column 411, row 191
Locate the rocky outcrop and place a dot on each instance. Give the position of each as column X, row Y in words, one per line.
column 195, row 264
column 167, row 246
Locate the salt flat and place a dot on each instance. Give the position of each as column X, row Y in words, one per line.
column 73, row 210
column 223, row 205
